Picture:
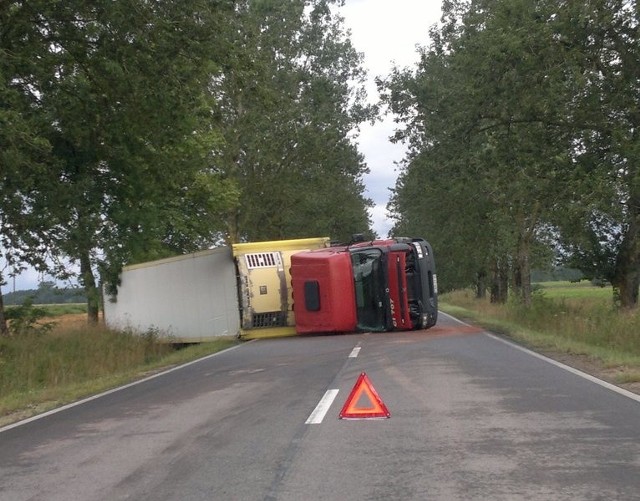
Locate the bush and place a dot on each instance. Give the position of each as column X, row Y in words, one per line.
column 27, row 319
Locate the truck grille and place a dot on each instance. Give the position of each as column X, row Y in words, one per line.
column 263, row 260
column 269, row 319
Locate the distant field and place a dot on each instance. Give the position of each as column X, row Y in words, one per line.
column 56, row 310
column 571, row 290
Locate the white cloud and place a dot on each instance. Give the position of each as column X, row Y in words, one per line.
column 382, row 224
column 387, row 33
column 26, row 280
column 30, row 279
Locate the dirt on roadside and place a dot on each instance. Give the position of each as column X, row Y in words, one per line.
column 70, row 322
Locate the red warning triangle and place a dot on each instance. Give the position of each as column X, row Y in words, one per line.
column 364, row 402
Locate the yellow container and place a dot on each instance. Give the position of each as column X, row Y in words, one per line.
column 264, row 285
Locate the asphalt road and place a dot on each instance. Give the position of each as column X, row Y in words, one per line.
column 472, row 417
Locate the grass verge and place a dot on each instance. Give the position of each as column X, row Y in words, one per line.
column 41, row 371
column 577, row 325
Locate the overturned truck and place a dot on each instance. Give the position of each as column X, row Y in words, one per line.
column 279, row 288
column 381, row 285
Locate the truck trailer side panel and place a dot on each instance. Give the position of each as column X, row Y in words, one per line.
column 190, row 298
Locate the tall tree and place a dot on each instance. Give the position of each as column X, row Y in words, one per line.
column 603, row 36
column 488, row 97
column 24, row 150
column 122, row 87
column 290, row 99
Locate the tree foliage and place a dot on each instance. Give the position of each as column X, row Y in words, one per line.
column 519, row 120
column 603, row 37
column 289, row 102
column 124, row 101
column 134, row 130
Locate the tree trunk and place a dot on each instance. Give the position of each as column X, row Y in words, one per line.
column 627, row 290
column 499, row 282
column 4, row 327
column 233, row 228
column 522, row 274
column 626, row 281
column 90, row 288
column 481, row 285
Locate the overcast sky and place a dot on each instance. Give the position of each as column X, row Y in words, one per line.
column 387, row 32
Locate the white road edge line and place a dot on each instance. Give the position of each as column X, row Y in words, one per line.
column 584, row 375
column 567, row 368
column 322, row 408
column 114, row 390
column 354, row 353
column 454, row 319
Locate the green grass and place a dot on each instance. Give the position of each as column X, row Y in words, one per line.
column 56, row 310
column 40, row 371
column 580, row 290
column 577, row 319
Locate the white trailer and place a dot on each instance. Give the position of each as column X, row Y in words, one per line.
column 190, row 298
column 195, row 297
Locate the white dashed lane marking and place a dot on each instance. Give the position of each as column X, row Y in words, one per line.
column 322, row 408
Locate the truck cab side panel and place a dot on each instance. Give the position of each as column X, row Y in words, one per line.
column 323, row 292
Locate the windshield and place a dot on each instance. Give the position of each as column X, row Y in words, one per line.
column 368, row 273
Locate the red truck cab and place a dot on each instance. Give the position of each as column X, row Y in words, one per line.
column 374, row 286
